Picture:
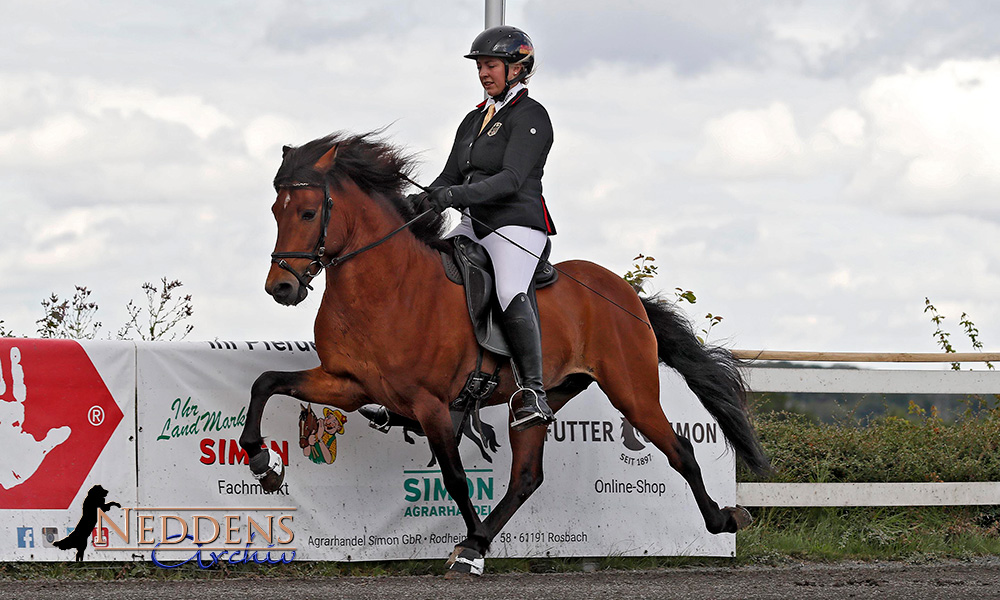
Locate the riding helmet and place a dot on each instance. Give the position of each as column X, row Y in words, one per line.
column 506, row 42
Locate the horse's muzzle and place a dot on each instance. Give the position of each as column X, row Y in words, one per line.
column 288, row 293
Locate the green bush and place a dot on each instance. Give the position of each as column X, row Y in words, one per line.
column 918, row 448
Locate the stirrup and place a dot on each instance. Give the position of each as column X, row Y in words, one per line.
column 536, row 417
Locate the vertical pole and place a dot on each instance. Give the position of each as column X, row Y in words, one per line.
column 494, row 18
column 494, row 13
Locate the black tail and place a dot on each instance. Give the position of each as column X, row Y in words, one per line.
column 713, row 375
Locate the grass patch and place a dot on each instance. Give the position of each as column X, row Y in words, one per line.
column 906, row 533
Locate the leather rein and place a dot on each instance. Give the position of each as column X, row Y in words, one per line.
column 319, row 250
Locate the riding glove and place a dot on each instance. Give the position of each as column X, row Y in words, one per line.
column 416, row 201
column 442, row 198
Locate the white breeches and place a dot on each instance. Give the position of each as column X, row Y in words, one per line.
column 513, row 267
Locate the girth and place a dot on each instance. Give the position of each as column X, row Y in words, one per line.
column 469, row 264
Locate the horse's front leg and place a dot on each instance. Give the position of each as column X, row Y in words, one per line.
column 435, row 420
column 314, row 385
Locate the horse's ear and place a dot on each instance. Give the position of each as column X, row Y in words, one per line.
column 325, row 162
column 285, row 150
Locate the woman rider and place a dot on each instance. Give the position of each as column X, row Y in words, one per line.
column 494, row 177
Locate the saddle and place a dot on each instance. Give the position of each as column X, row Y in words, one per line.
column 469, row 264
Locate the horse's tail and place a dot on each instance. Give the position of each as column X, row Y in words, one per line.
column 713, row 375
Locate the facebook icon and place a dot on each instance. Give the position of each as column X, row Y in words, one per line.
column 25, row 537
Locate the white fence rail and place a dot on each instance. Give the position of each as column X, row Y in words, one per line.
column 860, row 381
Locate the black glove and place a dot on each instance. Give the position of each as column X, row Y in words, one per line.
column 441, row 198
column 416, row 201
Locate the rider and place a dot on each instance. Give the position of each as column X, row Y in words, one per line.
column 494, row 177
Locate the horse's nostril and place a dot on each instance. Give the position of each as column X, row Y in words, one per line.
column 284, row 292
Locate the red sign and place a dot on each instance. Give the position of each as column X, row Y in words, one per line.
column 56, row 416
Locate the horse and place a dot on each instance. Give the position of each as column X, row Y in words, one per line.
column 308, row 425
column 391, row 329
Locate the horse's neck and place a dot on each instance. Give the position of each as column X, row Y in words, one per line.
column 370, row 282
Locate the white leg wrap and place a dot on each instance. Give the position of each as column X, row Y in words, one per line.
column 273, row 464
column 476, row 565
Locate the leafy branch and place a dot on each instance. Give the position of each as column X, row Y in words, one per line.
column 943, row 338
column 643, row 270
column 75, row 318
column 72, row 319
column 164, row 312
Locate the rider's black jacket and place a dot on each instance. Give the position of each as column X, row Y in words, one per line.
column 497, row 173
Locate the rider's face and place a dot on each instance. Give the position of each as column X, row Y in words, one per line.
column 491, row 74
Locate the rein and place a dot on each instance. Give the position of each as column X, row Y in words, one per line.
column 316, row 256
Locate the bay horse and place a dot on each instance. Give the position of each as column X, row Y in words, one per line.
column 392, row 330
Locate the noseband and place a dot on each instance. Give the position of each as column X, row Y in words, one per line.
column 319, row 251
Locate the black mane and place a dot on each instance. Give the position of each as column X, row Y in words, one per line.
column 374, row 165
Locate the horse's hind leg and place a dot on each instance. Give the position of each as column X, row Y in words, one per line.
column 313, row 385
column 526, row 457
column 641, row 406
column 525, row 476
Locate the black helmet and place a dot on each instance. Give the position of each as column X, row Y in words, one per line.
column 506, row 42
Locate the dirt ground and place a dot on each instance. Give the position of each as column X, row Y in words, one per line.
column 978, row 578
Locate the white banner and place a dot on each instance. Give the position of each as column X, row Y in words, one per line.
column 357, row 494
column 351, row 494
column 67, row 424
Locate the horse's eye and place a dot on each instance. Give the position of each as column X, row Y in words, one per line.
column 308, row 215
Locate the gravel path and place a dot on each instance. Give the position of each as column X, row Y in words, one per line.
column 979, row 578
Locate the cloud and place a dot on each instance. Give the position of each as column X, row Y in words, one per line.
column 751, row 143
column 188, row 110
column 571, row 36
column 934, row 139
column 917, row 140
column 810, row 170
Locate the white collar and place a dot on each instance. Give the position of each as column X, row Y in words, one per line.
column 511, row 94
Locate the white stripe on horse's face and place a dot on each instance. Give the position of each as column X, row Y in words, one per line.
column 288, row 198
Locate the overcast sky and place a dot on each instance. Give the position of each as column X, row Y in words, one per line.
column 811, row 170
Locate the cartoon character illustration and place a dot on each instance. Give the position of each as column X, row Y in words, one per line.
column 318, row 437
column 88, row 520
column 22, row 452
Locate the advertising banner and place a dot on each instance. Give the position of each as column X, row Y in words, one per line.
column 149, row 432
column 352, row 493
column 67, row 435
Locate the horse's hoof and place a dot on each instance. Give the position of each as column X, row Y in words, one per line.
column 271, row 481
column 451, row 557
column 456, row 576
column 464, row 563
column 741, row 516
column 268, row 469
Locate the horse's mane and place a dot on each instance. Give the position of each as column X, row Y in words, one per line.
column 373, row 164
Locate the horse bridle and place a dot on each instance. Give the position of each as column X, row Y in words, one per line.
column 316, row 256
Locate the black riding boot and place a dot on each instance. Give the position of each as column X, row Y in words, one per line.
column 524, row 337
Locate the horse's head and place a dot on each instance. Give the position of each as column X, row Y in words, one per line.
column 308, row 425
column 336, row 192
column 303, row 211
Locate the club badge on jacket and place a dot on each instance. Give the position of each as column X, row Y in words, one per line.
column 493, row 130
